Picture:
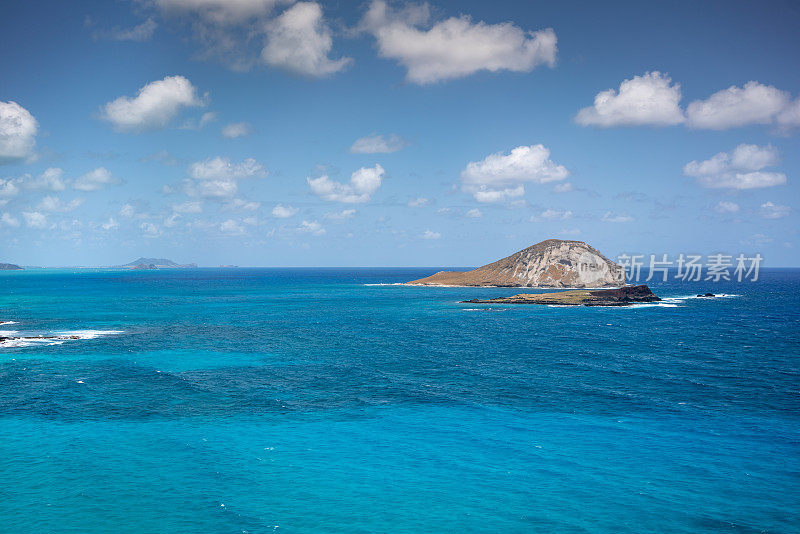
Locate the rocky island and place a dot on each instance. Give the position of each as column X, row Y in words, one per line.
column 623, row 296
column 553, row 263
column 9, row 267
column 155, row 263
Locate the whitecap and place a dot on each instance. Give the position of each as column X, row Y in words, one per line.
column 8, row 322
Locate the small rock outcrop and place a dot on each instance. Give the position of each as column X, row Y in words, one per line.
column 623, row 296
column 553, row 263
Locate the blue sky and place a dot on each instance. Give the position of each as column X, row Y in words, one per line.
column 228, row 132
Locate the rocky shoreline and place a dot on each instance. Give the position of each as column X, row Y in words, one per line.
column 623, row 296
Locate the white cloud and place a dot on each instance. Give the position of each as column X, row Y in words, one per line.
column 236, row 129
column 377, row 144
column 428, row 234
column 284, row 212
column 218, row 177
column 770, row 210
column 231, row 227
column 247, row 205
column 9, row 220
column 8, row 187
column 35, row 219
column 127, row 211
column 139, row 33
column 552, row 215
column 110, row 224
column 500, row 176
column 171, row 221
column 199, row 124
column 17, row 132
column 188, row 207
column 616, row 218
column 149, row 230
column 154, row 107
column 219, row 11
column 299, row 40
column 341, row 215
column 94, row 180
column 740, row 170
column 725, row 206
column 566, row 187
column 651, row 99
column 455, row 47
column 311, row 227
column 363, row 184
column 789, row 117
column 418, row 202
column 754, row 103
column 55, row 204
column 474, row 213
column 569, row 232
column 51, row 179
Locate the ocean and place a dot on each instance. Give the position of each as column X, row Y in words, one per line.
column 333, row 400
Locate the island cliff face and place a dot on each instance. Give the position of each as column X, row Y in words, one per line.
column 553, row 263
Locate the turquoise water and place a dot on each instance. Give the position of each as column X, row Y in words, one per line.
column 307, row 400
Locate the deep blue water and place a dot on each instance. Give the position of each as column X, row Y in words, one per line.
column 304, row 400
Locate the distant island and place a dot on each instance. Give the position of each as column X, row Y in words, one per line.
column 553, row 263
column 155, row 263
column 624, row 296
column 9, row 267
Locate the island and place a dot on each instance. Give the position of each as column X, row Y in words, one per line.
column 623, row 296
column 553, row 263
column 9, row 267
column 155, row 263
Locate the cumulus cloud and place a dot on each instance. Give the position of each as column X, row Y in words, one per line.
column 8, row 188
column 552, row 215
column 725, row 206
column 339, row 216
column 501, row 176
column 651, row 99
column 311, row 227
column 474, row 213
column 51, row 179
column 188, row 207
column 284, row 212
column 455, row 47
column 770, row 210
column 789, row 117
column 154, row 106
column 150, row 230
column 418, row 202
column 35, row 219
column 612, row 217
column 377, row 144
column 219, row 11
column 754, row 103
column 236, row 129
column 363, row 184
column 429, row 234
column 741, row 169
column 139, row 33
column 17, row 132
column 94, row 180
column 241, row 204
column 55, row 204
column 566, row 187
column 110, row 224
column 300, row 41
column 9, row 220
column 231, row 227
column 218, row 178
